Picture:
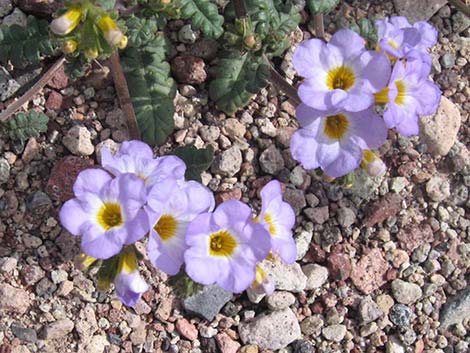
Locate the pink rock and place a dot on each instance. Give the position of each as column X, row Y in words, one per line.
column 13, row 300
column 186, row 329
column 54, row 101
column 339, row 266
column 369, row 273
column 411, row 237
column 234, row 194
column 30, row 151
column 226, row 344
column 379, row 211
column 59, row 80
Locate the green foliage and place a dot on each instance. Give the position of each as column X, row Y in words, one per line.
column 25, row 125
column 196, row 160
column 76, row 67
column 317, row 7
column 151, row 88
column 107, row 272
column 141, row 31
column 368, row 31
column 183, row 286
column 239, row 77
column 23, row 46
column 204, row 16
column 107, row 5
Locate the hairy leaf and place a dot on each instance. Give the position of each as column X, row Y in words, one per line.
column 196, row 160
column 141, row 31
column 204, row 16
column 239, row 77
column 25, row 125
column 368, row 31
column 151, row 88
column 106, row 4
column 25, row 45
column 317, row 7
column 76, row 67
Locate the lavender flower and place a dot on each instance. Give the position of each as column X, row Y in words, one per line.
column 128, row 283
column 335, row 143
column 373, row 165
column 137, row 158
column 341, row 74
column 278, row 218
column 225, row 246
column 408, row 95
column 261, row 285
column 106, row 212
column 171, row 207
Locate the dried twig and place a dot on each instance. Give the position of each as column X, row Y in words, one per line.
column 25, row 98
column 122, row 91
column 279, row 82
column 319, row 26
column 461, row 6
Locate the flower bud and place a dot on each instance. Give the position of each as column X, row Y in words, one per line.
column 111, row 31
column 69, row 46
column 91, row 53
column 128, row 283
column 373, row 165
column 250, row 41
column 83, row 261
column 67, row 22
column 123, row 43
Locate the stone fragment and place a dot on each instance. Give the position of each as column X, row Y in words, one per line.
column 226, row 344
column 280, row 300
column 394, row 345
column 58, row 329
column 8, row 264
column 312, row 325
column 78, row 141
column 32, row 274
column 400, row 315
column 455, row 310
column 406, row 292
column 380, row 210
column 14, row 300
column 60, row 80
column 418, row 10
column 31, row 150
column 54, row 101
column 438, row 188
column 112, row 147
column 339, row 266
column 205, row 48
column 17, row 17
column 97, row 344
column 186, row 329
column 5, row 7
column 39, row 7
column 8, row 86
column 189, row 69
column 345, row 216
column 208, row 302
column 25, row 334
column 295, row 198
column 318, row 215
column 302, row 241
column 439, row 131
column 302, row 346
column 38, row 202
column 271, row 161
column 273, row 331
column 316, row 276
column 369, row 273
column 228, row 163
column 413, row 236
column 334, row 333
column 249, row 348
column 286, row 277
column 4, row 171
column 233, row 128
column 369, row 310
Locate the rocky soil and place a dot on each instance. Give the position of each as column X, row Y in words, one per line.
column 382, row 266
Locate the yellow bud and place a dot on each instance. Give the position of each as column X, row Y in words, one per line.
column 250, row 41
column 91, row 53
column 123, row 43
column 67, row 22
column 111, row 31
column 69, row 46
column 165, row 2
column 372, row 164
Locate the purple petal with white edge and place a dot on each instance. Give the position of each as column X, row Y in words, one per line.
column 303, row 148
column 270, row 192
column 259, row 242
column 100, row 245
column 90, row 181
column 382, row 27
column 203, row 269
column 137, row 227
column 170, row 166
column 408, row 126
column 349, row 42
column 358, row 101
column 429, row 97
column 241, row 275
column 308, row 117
column 369, row 127
column 130, row 287
column 399, row 72
column 411, row 38
column 132, row 194
column 314, row 97
column 375, row 73
column 347, row 158
column 198, row 230
column 72, row 216
column 137, row 149
column 286, row 248
column 428, row 34
column 167, row 257
column 306, row 56
column 393, row 44
column 419, row 62
column 286, row 216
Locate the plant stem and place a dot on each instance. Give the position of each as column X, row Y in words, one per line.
column 319, row 26
column 122, row 91
column 279, row 82
column 461, row 6
column 25, row 98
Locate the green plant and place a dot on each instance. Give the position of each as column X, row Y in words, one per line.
column 196, row 160
column 25, row 125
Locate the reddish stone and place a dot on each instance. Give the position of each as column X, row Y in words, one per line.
column 30, row 151
column 234, row 194
column 369, row 273
column 391, row 274
column 63, row 176
column 339, row 266
column 60, row 80
column 317, row 308
column 226, row 344
column 186, row 329
column 412, row 236
column 379, row 211
column 31, row 274
column 54, row 101
column 315, row 254
column 189, row 69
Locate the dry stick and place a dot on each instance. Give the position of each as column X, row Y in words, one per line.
column 122, row 91
column 319, row 26
column 25, row 98
column 280, row 82
column 462, row 7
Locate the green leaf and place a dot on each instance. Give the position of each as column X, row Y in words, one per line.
column 204, row 16
column 151, row 88
column 108, row 272
column 239, row 77
column 76, row 67
column 25, row 125
column 318, row 7
column 141, row 31
column 183, row 286
column 196, row 160
column 23, row 46
column 106, row 4
column 368, row 31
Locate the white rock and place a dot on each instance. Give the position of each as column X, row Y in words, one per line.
column 285, row 277
column 316, row 276
column 334, row 333
column 406, row 292
column 78, row 141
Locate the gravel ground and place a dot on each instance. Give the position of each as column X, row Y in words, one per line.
column 382, row 266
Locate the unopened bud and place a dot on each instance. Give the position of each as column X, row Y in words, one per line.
column 165, row 2
column 373, row 165
column 111, row 31
column 69, row 46
column 123, row 43
column 67, row 22
column 250, row 41
column 91, row 53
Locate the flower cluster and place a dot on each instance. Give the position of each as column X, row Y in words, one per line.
column 135, row 194
column 343, row 84
column 96, row 25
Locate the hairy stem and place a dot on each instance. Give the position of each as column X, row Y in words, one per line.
column 280, row 83
column 25, row 98
column 461, row 6
column 122, row 91
column 319, row 26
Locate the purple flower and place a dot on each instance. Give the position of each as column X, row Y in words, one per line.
column 137, row 158
column 128, row 283
column 278, row 218
column 408, row 95
column 341, row 74
column 106, row 212
column 171, row 207
column 373, row 165
column 335, row 143
column 225, row 246
column 397, row 36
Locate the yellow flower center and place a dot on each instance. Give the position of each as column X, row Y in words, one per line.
column 400, row 100
column 336, row 126
column 368, row 157
column 260, row 277
column 382, row 96
column 127, row 262
column 341, row 77
column 269, row 221
column 110, row 216
column 393, row 44
column 166, row 227
column 222, row 244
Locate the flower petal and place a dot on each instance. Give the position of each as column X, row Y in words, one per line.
column 303, row 148
column 90, row 181
column 349, row 42
column 72, row 217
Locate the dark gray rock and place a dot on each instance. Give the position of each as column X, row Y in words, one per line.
column 400, row 315
column 302, row 346
column 25, row 334
column 38, row 202
column 271, row 160
column 456, row 309
column 208, row 302
column 418, row 10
